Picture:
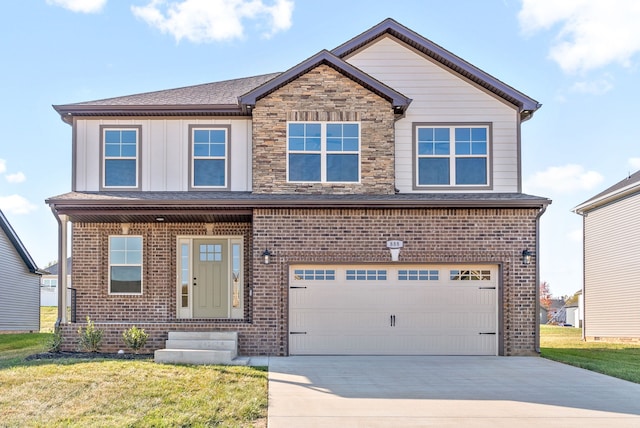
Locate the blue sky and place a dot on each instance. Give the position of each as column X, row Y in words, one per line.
column 579, row 58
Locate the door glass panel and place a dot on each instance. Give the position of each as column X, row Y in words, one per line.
column 235, row 255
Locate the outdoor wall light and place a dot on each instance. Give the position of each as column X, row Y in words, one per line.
column 266, row 256
column 526, row 257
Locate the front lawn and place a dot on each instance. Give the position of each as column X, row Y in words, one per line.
column 117, row 393
column 564, row 344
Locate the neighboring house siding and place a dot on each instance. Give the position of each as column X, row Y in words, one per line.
column 19, row 305
column 439, row 236
column 164, row 151
column 611, row 252
column 326, row 96
column 439, row 96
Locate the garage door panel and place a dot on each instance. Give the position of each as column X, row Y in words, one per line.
column 394, row 310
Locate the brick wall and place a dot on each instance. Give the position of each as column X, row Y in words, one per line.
column 495, row 236
column 323, row 94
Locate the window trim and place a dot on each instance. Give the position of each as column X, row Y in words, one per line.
column 227, row 158
column 103, row 129
column 109, row 265
column 324, row 152
column 452, row 157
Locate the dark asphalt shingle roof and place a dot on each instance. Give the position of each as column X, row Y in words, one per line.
column 632, row 182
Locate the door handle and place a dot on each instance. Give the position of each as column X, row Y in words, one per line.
column 392, row 320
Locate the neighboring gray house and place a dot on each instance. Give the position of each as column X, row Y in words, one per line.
column 611, row 226
column 49, row 285
column 19, row 283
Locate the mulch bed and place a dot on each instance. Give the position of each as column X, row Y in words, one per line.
column 89, row 355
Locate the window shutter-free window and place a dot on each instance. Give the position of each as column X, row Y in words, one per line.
column 120, row 157
column 125, row 265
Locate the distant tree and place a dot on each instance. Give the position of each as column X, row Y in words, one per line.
column 51, row 263
column 545, row 295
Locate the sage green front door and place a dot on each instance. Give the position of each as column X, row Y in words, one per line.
column 210, row 278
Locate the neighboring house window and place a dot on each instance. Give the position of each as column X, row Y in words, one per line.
column 121, row 149
column 49, row 283
column 452, row 155
column 325, row 152
column 210, row 156
column 125, row 265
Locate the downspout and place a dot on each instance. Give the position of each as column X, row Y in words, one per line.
column 62, row 268
column 537, row 325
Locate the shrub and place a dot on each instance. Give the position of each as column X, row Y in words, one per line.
column 54, row 343
column 89, row 338
column 135, row 338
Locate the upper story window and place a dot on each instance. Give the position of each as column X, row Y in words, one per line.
column 324, row 152
column 210, row 157
column 121, row 153
column 452, row 155
column 125, row 265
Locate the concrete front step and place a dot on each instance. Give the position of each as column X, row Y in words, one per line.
column 203, row 335
column 217, row 345
column 197, row 356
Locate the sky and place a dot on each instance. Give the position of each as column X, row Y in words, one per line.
column 579, row 58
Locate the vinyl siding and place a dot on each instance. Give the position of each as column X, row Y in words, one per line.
column 164, row 152
column 440, row 97
column 20, row 302
column 611, row 254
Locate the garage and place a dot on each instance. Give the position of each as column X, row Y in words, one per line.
column 393, row 309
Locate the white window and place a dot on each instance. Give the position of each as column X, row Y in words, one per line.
column 209, row 160
column 120, row 148
column 125, row 265
column 452, row 155
column 325, row 152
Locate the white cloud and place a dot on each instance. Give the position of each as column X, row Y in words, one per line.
column 634, row 163
column 595, row 87
column 83, row 6
column 18, row 177
column 590, row 33
column 564, row 179
column 3, row 166
column 575, row 235
column 16, row 204
column 202, row 21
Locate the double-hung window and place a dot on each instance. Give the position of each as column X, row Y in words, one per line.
column 325, row 152
column 452, row 155
column 210, row 157
column 121, row 151
column 125, row 265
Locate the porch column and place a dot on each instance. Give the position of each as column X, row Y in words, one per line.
column 62, row 268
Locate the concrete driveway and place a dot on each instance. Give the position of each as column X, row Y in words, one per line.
column 381, row 391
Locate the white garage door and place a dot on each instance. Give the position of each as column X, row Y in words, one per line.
column 393, row 310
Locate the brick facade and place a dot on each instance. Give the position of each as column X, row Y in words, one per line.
column 323, row 94
column 495, row 236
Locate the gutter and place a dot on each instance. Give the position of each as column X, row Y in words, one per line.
column 537, row 329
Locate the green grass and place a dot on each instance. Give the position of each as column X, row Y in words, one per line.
column 48, row 317
column 123, row 393
column 564, row 344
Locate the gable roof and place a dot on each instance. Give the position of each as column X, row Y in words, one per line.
column 527, row 106
column 620, row 190
column 20, row 248
column 398, row 101
column 235, row 97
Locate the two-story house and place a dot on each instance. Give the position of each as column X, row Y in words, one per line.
column 366, row 201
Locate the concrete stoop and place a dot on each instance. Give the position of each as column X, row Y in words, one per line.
column 207, row 347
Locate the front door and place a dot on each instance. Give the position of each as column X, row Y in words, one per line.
column 210, row 278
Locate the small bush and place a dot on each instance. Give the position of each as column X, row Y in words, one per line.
column 54, row 343
column 135, row 338
column 89, row 338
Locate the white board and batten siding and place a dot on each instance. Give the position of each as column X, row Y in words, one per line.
column 612, row 253
column 20, row 289
column 393, row 310
column 440, row 96
column 164, row 151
